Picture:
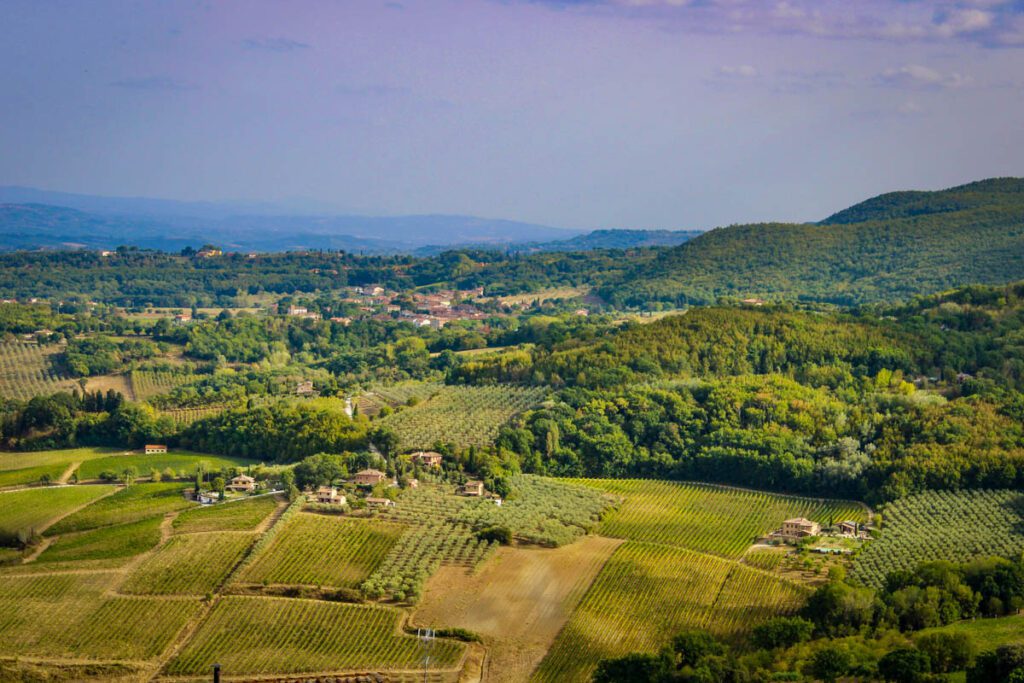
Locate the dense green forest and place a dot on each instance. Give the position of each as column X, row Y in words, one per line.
column 888, row 248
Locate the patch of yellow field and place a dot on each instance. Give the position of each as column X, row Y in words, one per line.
column 518, row 601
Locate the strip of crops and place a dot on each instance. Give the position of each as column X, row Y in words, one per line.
column 149, row 383
column 130, row 504
column 107, row 543
column 26, row 370
column 947, row 525
column 66, row 615
column 190, row 564
column 182, row 417
column 646, row 593
column 257, row 635
column 181, row 463
column 33, row 467
column 323, row 550
column 463, row 416
column 243, row 515
column 707, row 518
column 33, row 509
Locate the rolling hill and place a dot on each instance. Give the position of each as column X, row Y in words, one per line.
column 888, row 248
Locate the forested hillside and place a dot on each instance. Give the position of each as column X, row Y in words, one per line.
column 885, row 249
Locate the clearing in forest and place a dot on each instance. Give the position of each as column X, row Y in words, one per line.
column 518, row 601
column 464, row 416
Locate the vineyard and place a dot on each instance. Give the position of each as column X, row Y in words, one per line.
column 129, row 504
column 647, row 592
column 394, row 395
column 244, row 515
column 149, row 383
column 89, row 625
column 35, row 509
column 707, row 518
column 947, row 525
column 189, row 564
column 106, row 543
column 259, row 635
column 27, row 370
column 463, row 416
column 183, row 417
column 321, row 550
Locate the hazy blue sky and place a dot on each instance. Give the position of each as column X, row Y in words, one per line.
column 614, row 113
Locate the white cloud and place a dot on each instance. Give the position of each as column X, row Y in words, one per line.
column 915, row 76
column 741, row 71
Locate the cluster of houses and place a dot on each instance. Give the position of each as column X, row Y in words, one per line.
column 368, row 478
column 243, row 483
column 425, row 310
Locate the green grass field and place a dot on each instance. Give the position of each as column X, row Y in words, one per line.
column 37, row 508
column 647, row 592
column 321, row 550
column 257, row 635
column 987, row 633
column 178, row 461
column 105, row 543
column 127, row 505
column 947, row 525
column 706, row 518
column 31, row 467
column 243, row 515
column 190, row 564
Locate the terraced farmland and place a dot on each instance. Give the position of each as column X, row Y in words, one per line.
column 948, row 525
column 647, row 592
column 257, row 635
column 321, row 550
column 27, row 370
column 707, row 518
column 460, row 415
column 189, row 564
column 244, row 515
column 36, row 508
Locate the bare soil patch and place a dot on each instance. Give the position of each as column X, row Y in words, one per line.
column 517, row 602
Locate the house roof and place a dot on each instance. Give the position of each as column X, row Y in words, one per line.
column 803, row 521
column 370, row 473
column 243, row 477
column 155, row 445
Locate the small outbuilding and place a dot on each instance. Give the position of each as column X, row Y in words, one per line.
column 380, row 502
column 427, row 458
column 472, row 488
column 369, row 477
column 153, row 449
column 243, row 483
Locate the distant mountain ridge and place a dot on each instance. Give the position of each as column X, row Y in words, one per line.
column 31, row 218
